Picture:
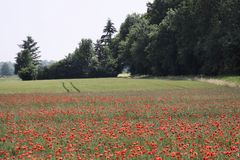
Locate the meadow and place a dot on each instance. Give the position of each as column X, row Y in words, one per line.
column 112, row 118
column 234, row 79
column 96, row 85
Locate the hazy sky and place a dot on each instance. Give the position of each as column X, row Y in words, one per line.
column 58, row 25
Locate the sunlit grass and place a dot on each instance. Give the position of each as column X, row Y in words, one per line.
column 97, row 85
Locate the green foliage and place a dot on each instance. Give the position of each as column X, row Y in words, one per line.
column 183, row 37
column 28, row 73
column 27, row 60
column 109, row 30
column 29, row 46
column 106, row 64
column 127, row 24
column 158, row 9
column 138, row 40
column 121, row 43
column 23, row 60
column 162, row 50
column 82, row 57
column 87, row 60
column 174, row 37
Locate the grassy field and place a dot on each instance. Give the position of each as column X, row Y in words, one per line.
column 111, row 118
column 234, row 79
column 97, row 85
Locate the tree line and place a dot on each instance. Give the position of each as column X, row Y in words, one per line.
column 174, row 37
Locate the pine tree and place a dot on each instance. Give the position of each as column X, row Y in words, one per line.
column 109, row 30
column 30, row 46
column 27, row 59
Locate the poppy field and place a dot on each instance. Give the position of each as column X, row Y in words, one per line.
column 193, row 123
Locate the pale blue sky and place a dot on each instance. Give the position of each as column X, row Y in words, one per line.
column 58, row 25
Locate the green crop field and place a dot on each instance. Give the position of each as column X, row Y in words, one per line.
column 97, row 85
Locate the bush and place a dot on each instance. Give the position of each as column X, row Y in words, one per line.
column 28, row 73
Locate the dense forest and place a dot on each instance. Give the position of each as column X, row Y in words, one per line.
column 174, row 37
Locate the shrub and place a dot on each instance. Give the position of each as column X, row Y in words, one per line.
column 28, row 73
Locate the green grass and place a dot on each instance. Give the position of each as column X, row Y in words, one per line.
column 234, row 79
column 97, row 85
